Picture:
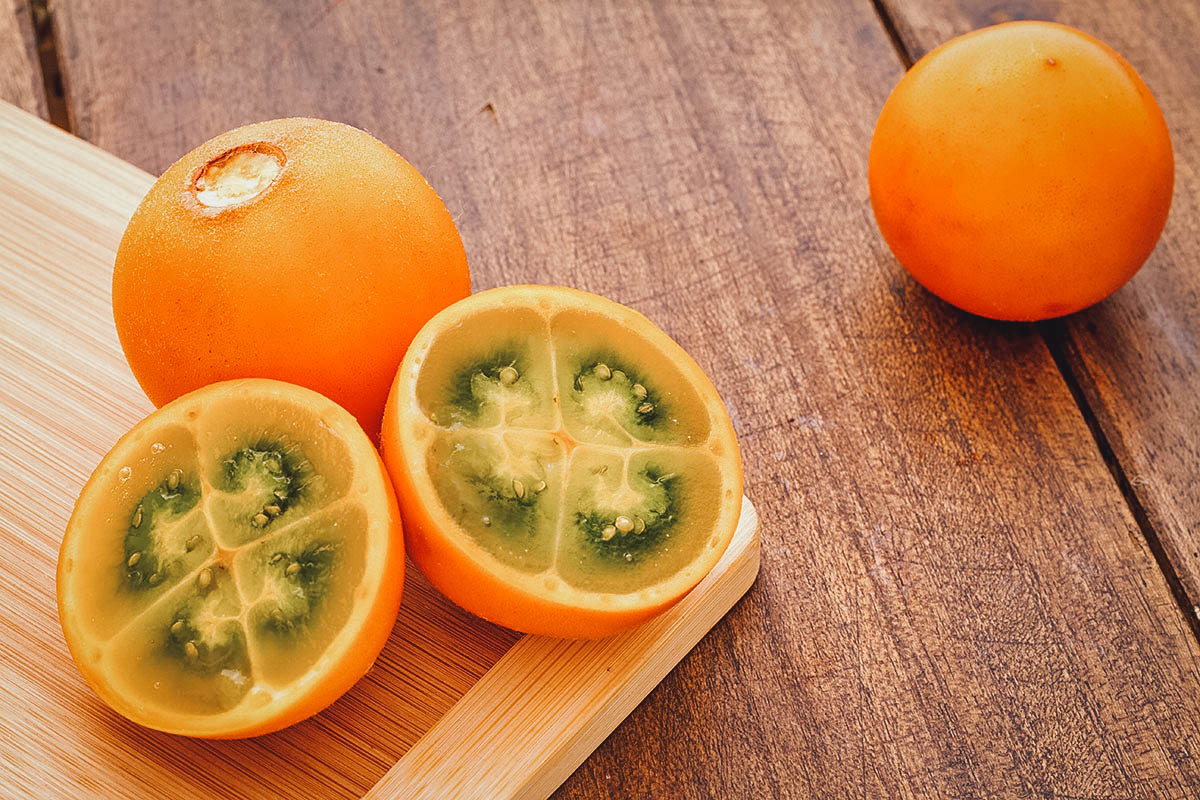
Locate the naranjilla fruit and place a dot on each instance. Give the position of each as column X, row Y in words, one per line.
column 563, row 467
column 234, row 564
column 1021, row 171
column 298, row 249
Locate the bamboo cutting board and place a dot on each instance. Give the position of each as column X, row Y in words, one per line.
column 454, row 707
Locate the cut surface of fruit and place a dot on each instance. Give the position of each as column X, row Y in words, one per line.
column 234, row 564
column 563, row 467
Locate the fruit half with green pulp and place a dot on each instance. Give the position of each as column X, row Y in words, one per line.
column 234, row 564
column 563, row 466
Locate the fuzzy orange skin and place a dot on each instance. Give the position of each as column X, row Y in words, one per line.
column 1021, row 171
column 468, row 582
column 353, row 664
column 322, row 280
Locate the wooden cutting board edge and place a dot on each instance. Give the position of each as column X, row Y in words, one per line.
column 548, row 703
column 533, row 718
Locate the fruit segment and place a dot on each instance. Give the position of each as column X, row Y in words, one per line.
column 631, row 521
column 503, row 489
column 494, row 371
column 617, row 395
column 188, row 652
column 299, row 583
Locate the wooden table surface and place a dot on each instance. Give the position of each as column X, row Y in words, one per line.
column 981, row 541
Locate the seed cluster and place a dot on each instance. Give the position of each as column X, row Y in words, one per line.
column 624, row 526
column 141, row 567
column 272, row 463
column 640, row 393
column 179, row 629
column 520, row 491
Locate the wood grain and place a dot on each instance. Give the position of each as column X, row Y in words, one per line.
column 955, row 600
column 65, row 394
column 548, row 702
column 20, row 75
column 1137, row 355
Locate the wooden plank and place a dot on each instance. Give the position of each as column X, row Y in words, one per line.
column 954, row 600
column 65, row 394
column 548, row 702
column 20, row 75
column 1137, row 355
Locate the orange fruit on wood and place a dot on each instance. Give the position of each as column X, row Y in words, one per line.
column 234, row 564
column 297, row 249
column 563, row 467
column 1022, row 171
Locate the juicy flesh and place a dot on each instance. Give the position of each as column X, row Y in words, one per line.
column 569, row 450
column 225, row 575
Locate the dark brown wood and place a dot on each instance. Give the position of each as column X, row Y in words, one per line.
column 955, row 599
column 1137, row 355
column 20, row 75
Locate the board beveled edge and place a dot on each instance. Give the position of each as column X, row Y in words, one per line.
column 534, row 717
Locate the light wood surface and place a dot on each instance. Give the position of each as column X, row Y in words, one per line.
column 956, row 599
column 20, row 74
column 66, row 395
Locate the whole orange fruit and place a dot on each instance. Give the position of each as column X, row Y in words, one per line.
column 1021, row 171
column 297, row 249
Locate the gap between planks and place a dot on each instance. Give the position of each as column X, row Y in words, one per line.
column 46, row 47
column 1053, row 337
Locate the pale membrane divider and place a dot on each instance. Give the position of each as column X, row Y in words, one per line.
column 67, row 397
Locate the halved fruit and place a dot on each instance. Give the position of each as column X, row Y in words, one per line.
column 234, row 564
column 563, row 467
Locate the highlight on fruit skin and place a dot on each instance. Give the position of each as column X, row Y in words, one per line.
column 563, row 467
column 1021, row 171
column 297, row 249
column 234, row 564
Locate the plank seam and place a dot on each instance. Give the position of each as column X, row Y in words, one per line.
column 46, row 44
column 1054, row 334
column 889, row 25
